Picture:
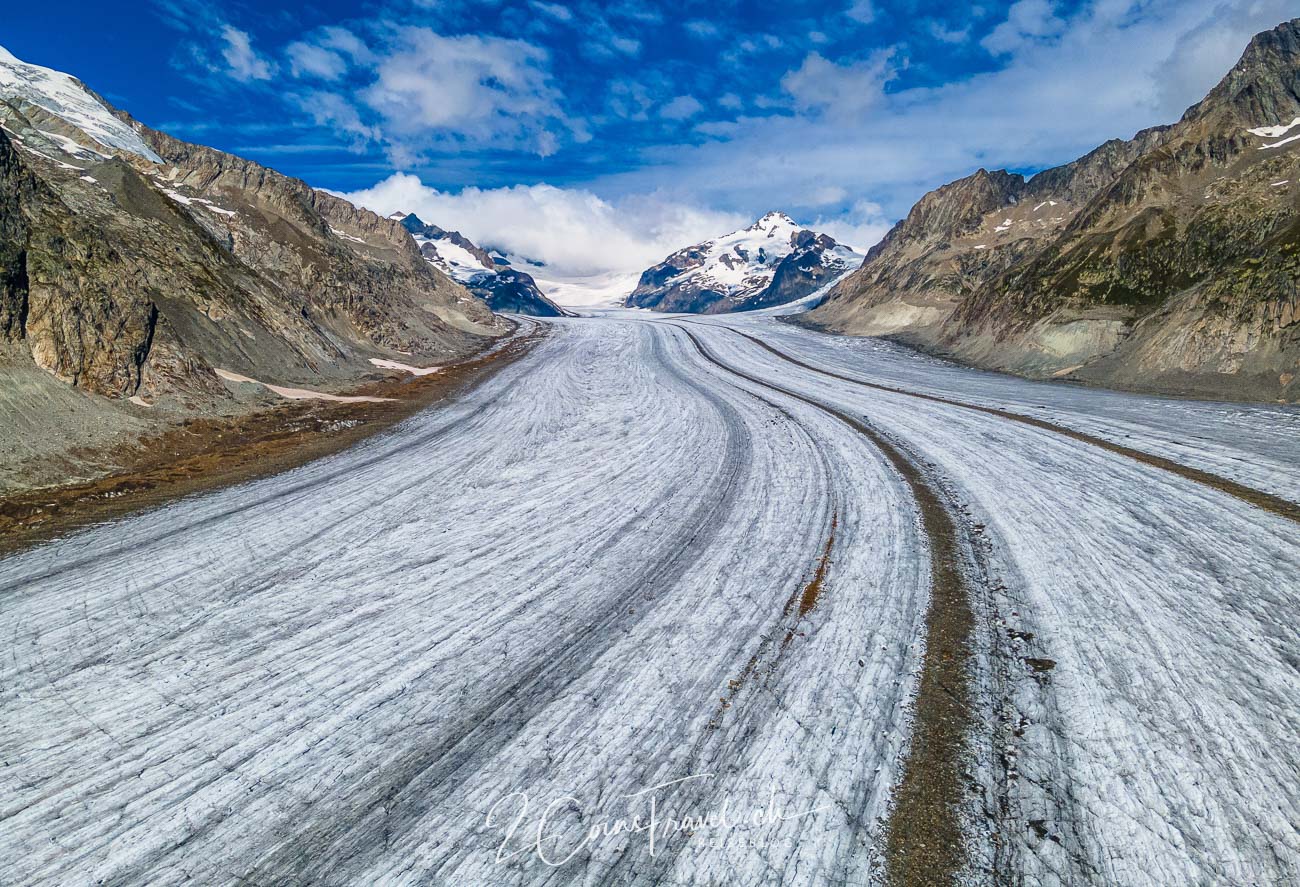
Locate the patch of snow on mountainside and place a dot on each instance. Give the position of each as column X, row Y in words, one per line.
column 65, row 97
column 743, row 258
column 806, row 303
column 453, row 259
column 491, row 277
column 1286, row 141
column 1273, row 132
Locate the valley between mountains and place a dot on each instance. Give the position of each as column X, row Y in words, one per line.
column 339, row 548
column 335, row 674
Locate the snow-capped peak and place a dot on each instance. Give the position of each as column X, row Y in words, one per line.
column 65, row 97
column 773, row 221
column 772, row 261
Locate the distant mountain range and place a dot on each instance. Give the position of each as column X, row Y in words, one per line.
column 489, row 277
column 1167, row 262
column 133, row 265
column 772, row 262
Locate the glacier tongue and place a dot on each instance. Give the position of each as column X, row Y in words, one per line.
column 66, row 97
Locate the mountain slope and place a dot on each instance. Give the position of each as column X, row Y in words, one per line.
column 1165, row 262
column 137, row 264
column 502, row 287
column 772, row 262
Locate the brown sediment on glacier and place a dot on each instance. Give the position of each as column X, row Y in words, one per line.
column 209, row 453
column 1260, row 499
column 925, row 843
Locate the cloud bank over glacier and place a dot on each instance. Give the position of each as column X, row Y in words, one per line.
column 574, row 233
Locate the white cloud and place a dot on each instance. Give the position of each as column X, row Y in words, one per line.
column 422, row 90
column 346, row 42
column 309, row 60
column 488, row 89
column 327, row 53
column 862, row 11
column 243, row 63
column 681, row 108
column 1204, row 53
column 577, row 234
column 702, row 29
column 629, row 99
column 860, row 227
column 604, row 43
column 625, row 45
column 334, row 111
column 1027, row 21
column 827, row 194
column 1114, row 68
column 945, row 34
column 842, row 91
column 840, row 148
column 557, row 11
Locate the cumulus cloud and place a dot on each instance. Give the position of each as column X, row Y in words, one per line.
column 1027, row 21
column 576, row 233
column 862, row 11
column 308, row 60
column 482, row 87
column 421, row 89
column 243, row 63
column 1111, row 69
column 945, row 34
column 625, row 45
column 681, row 108
column 556, row 11
column 341, row 39
column 839, row 140
column 823, row 86
column 861, row 226
column 629, row 99
column 603, row 42
column 827, row 194
column 705, row 30
column 339, row 114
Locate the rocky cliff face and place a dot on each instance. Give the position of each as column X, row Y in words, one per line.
column 772, row 262
column 503, row 288
column 135, row 264
column 1166, row 262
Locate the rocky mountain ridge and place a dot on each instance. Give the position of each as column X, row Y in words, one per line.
column 136, row 264
column 772, row 262
column 493, row 280
column 146, row 283
column 1164, row 262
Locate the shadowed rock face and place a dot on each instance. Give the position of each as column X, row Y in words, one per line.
column 75, row 297
column 514, row 292
column 122, row 275
column 16, row 188
column 1165, row 262
column 501, row 287
column 771, row 262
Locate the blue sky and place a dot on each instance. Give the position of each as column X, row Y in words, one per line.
column 587, row 89
column 629, row 128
